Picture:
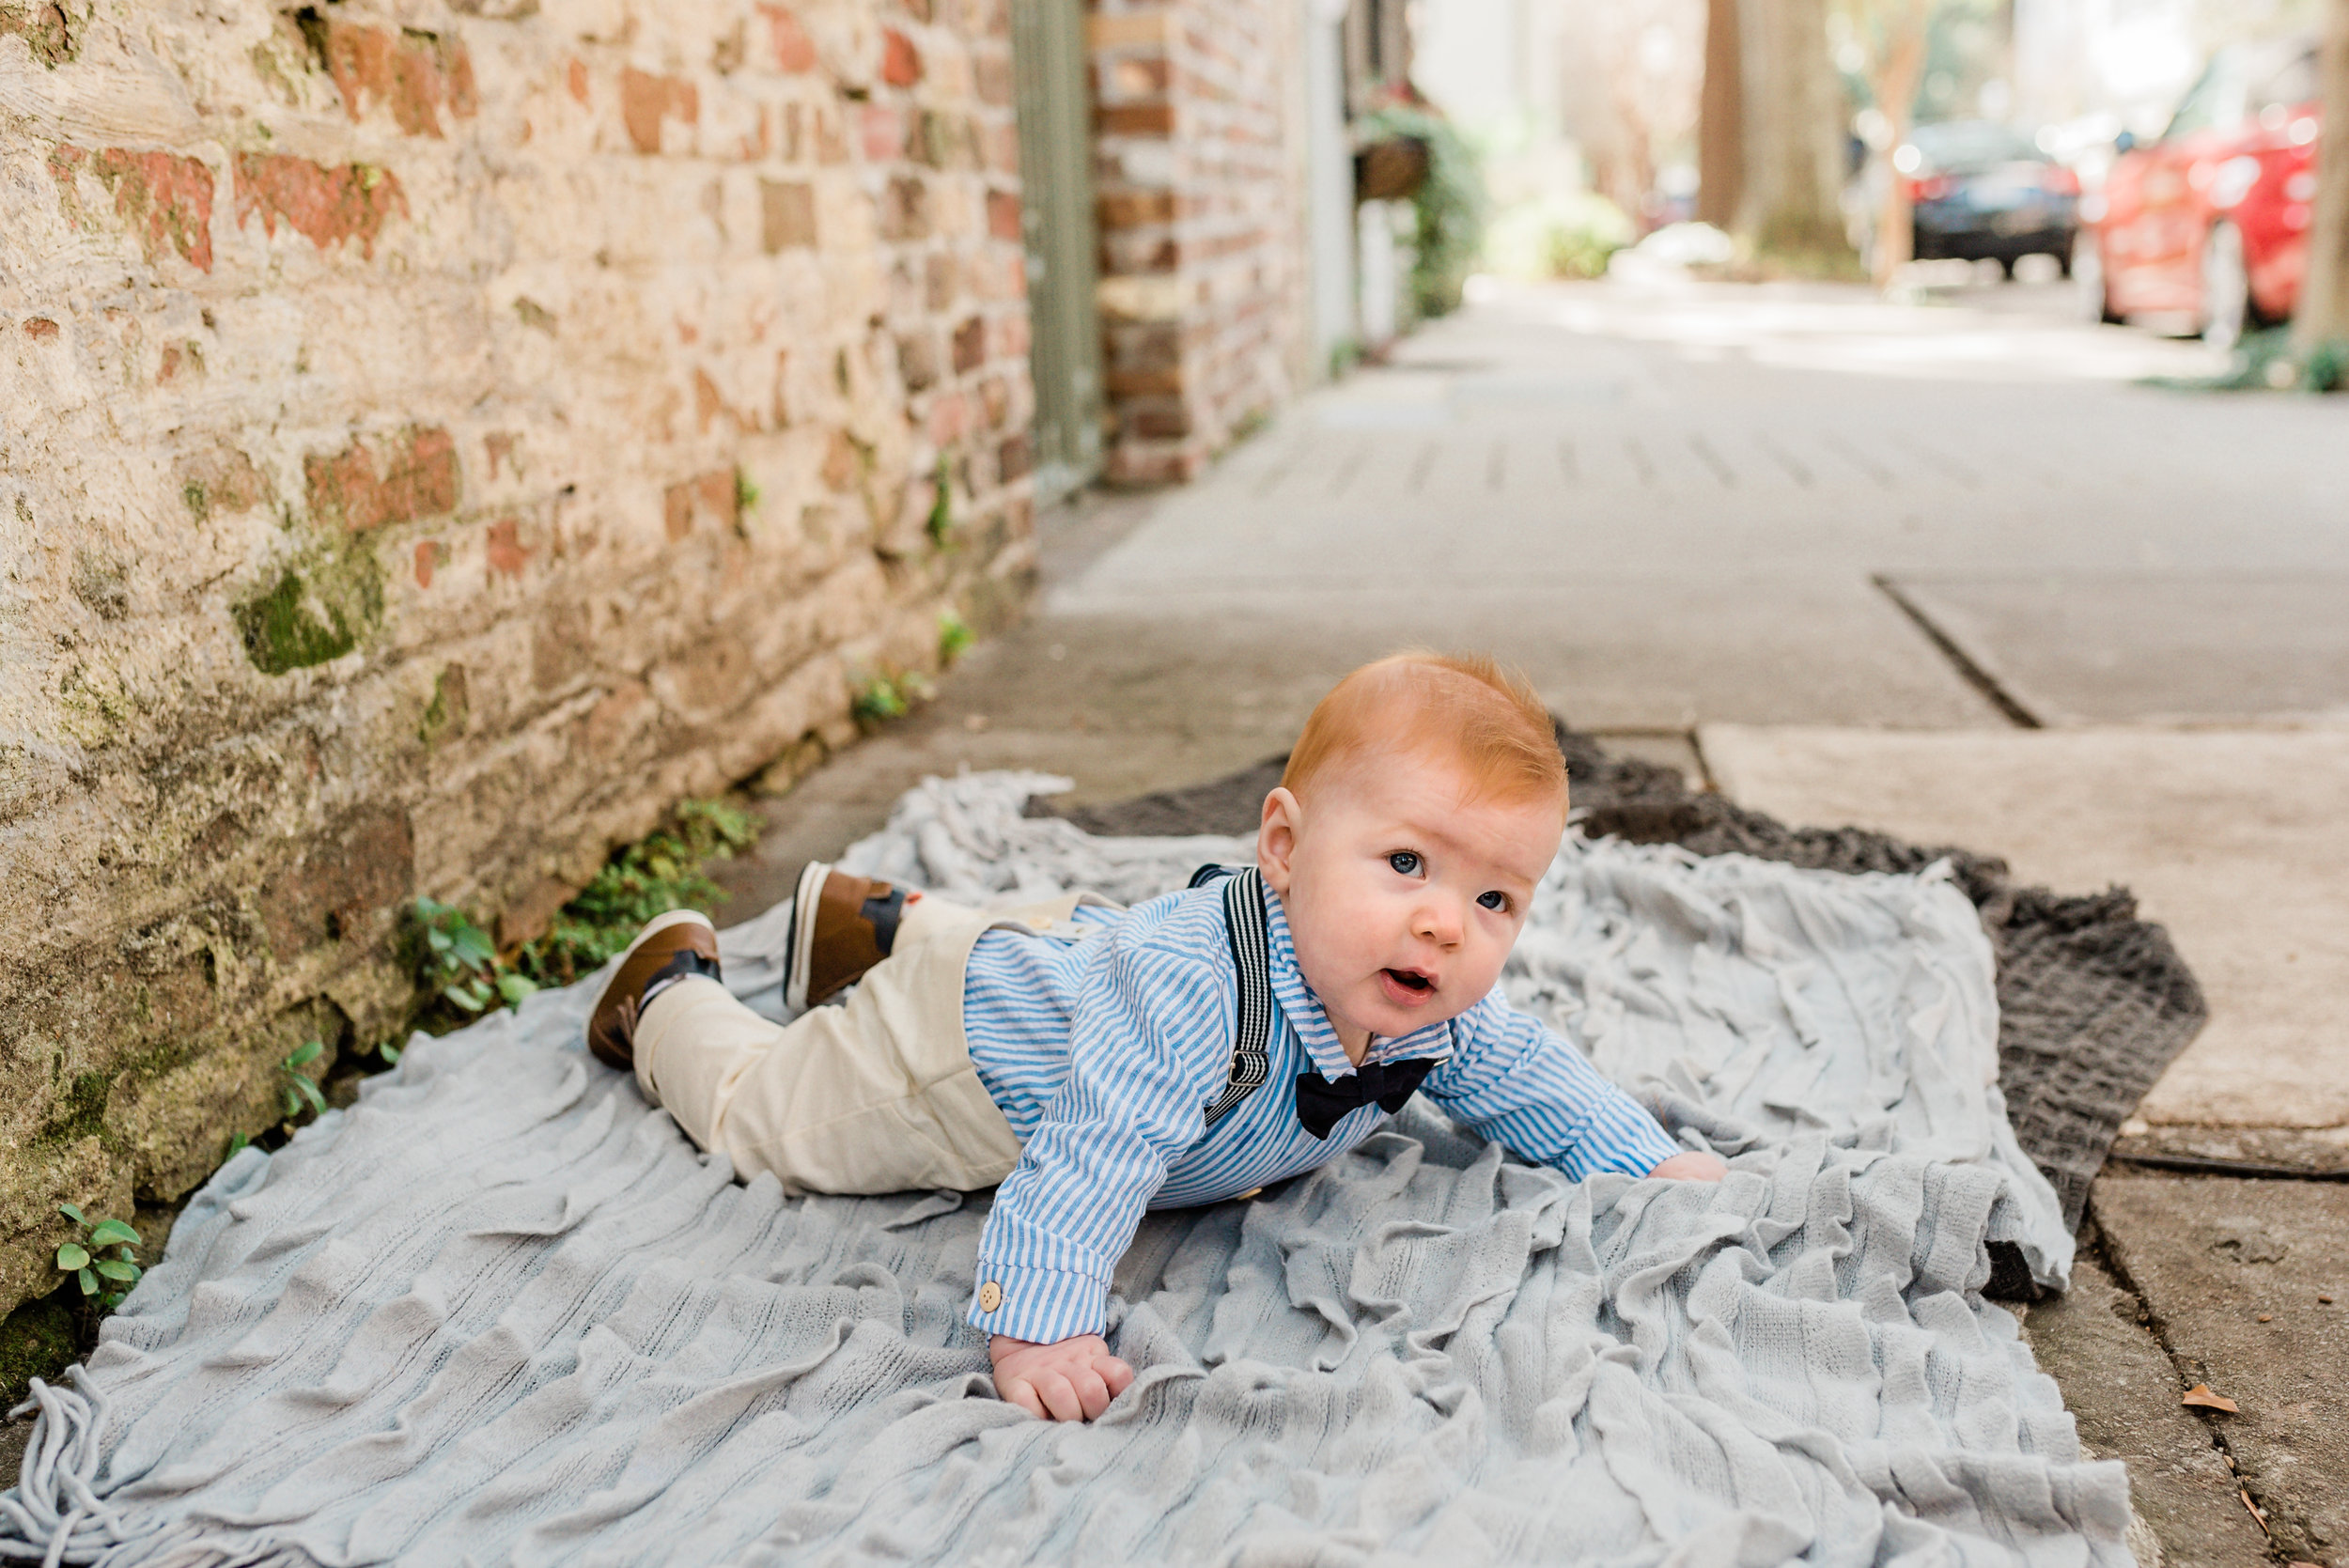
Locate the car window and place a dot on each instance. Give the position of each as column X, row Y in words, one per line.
column 2291, row 86
column 1968, row 146
column 2215, row 103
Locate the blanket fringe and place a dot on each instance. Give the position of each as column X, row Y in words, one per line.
column 54, row 1515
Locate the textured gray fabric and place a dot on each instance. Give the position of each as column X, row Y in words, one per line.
column 502, row 1312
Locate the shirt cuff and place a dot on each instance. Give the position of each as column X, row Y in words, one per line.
column 1620, row 1136
column 1041, row 1305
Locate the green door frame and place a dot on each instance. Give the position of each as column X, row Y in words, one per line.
column 1058, row 225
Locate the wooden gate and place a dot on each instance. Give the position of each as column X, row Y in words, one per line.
column 1057, row 222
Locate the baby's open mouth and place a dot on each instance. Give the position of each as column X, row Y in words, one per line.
column 1411, row 980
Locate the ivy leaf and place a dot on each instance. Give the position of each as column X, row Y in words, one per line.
column 473, row 947
column 126, row 1273
column 463, row 997
column 72, row 1213
column 438, row 938
column 516, row 988
column 112, row 1231
column 89, row 1281
column 72, row 1256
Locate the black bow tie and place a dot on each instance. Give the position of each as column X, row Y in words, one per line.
column 1321, row 1104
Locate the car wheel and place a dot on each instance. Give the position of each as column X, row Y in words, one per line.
column 2088, row 279
column 2226, row 288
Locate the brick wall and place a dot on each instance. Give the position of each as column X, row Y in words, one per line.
column 1201, row 191
column 435, row 438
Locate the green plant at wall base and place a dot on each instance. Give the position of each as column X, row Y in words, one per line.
column 745, row 493
column 942, row 519
column 885, row 696
column 300, row 1090
column 1449, row 205
column 659, row 873
column 108, row 1278
column 954, row 637
column 459, row 961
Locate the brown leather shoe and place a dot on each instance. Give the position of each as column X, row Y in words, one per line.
column 841, row 925
column 682, row 940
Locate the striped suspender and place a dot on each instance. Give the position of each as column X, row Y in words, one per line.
column 1251, row 957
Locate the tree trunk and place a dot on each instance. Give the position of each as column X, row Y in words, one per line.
column 1794, row 135
column 1720, row 117
column 1895, row 83
column 2323, row 313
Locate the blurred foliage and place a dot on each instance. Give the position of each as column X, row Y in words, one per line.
column 463, row 973
column 657, row 874
column 1571, row 235
column 2265, row 360
column 1450, row 205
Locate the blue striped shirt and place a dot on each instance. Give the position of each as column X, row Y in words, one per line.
column 1104, row 1053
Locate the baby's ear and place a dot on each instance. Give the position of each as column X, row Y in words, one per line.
column 1276, row 838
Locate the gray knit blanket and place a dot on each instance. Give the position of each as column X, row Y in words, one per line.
column 502, row 1312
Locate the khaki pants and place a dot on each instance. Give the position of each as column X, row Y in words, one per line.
column 876, row 1095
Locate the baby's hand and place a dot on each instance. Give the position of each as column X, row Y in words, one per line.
column 1692, row 1168
column 1067, row 1380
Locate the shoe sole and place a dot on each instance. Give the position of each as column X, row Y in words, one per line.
column 652, row 928
column 803, row 901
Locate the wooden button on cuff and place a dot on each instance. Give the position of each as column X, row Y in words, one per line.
column 990, row 1296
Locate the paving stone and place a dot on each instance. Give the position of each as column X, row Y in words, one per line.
column 2120, row 1388
column 2235, row 1273
column 2230, row 838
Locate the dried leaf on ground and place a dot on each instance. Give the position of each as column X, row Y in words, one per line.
column 2200, row 1396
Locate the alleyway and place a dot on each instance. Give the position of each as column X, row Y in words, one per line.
column 1947, row 568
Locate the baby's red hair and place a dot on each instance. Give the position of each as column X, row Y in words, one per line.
column 1462, row 707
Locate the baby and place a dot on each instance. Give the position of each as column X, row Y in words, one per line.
column 1097, row 1062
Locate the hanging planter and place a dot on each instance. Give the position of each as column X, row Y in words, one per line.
column 1392, row 169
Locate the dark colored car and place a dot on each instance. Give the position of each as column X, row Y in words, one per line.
column 1982, row 191
column 2208, row 224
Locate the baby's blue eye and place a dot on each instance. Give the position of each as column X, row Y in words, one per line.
column 1494, row 900
column 1405, row 862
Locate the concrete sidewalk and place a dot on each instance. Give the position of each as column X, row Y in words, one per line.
column 1829, row 553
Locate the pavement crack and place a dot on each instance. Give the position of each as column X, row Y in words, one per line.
column 1975, row 675
column 2189, row 1370
column 2212, row 1165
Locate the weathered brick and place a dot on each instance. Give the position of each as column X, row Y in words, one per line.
column 414, row 74
column 1134, row 208
column 502, row 548
column 1003, row 220
column 646, row 101
column 794, row 52
column 917, row 359
column 881, row 131
column 705, row 501
column 166, row 198
column 787, row 215
column 970, row 345
column 365, row 865
column 1135, row 119
column 905, row 209
column 413, row 475
column 1014, row 458
column 901, row 63
column 325, row 205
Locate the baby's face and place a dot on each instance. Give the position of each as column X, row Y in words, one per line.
column 1403, row 894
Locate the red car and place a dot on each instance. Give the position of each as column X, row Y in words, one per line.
column 2208, row 225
